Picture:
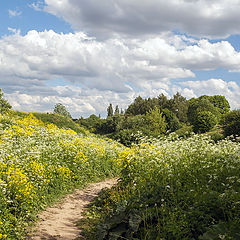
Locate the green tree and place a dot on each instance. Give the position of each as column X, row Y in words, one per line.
column 204, row 122
column 110, row 110
column 137, row 107
column 61, row 109
column 179, row 105
column 172, row 121
column 219, row 102
column 231, row 123
column 162, row 101
column 155, row 122
column 4, row 105
column 201, row 104
column 116, row 112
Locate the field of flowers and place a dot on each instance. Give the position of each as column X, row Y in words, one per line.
column 40, row 162
column 174, row 189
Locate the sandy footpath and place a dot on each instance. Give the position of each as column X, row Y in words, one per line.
column 59, row 222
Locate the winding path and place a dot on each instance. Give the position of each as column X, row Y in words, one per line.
column 59, row 222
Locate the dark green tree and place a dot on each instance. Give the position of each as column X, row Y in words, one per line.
column 204, row 122
column 231, row 123
column 162, row 101
column 4, row 105
column 110, row 110
column 61, row 109
column 116, row 112
column 139, row 106
column 179, row 105
column 172, row 121
column 201, row 104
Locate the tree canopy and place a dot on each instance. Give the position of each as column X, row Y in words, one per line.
column 61, row 109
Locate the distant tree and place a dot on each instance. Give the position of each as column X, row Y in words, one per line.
column 4, row 105
column 110, row 111
column 116, row 112
column 61, row 109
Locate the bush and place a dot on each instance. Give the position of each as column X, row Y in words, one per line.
column 204, row 122
column 231, row 122
column 184, row 131
column 126, row 136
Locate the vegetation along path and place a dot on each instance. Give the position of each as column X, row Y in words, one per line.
column 59, row 222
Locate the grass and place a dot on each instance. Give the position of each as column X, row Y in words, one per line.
column 40, row 162
column 173, row 189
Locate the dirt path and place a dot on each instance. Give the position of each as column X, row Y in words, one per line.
column 58, row 222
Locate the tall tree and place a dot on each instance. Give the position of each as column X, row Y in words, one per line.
column 110, row 110
column 137, row 107
column 116, row 112
column 155, row 121
column 179, row 105
column 61, row 109
column 162, row 101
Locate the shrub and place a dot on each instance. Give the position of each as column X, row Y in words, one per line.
column 204, row 122
column 231, row 122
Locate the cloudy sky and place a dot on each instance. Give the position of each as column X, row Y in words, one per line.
column 88, row 53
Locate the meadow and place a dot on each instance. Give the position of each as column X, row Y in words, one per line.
column 173, row 189
column 40, row 162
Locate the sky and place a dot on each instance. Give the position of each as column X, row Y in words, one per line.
column 87, row 54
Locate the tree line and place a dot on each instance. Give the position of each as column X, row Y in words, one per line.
column 160, row 116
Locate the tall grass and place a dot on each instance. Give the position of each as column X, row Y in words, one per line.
column 39, row 162
column 174, row 189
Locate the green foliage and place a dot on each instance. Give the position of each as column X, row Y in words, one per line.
column 204, row 122
column 219, row 102
column 60, row 121
column 138, row 107
column 184, row 131
column 172, row 121
column 40, row 162
column 155, row 122
column 116, row 112
column 174, row 188
column 4, row 105
column 110, row 110
column 126, row 136
column 179, row 105
column 92, row 123
column 201, row 104
column 231, row 123
column 61, row 109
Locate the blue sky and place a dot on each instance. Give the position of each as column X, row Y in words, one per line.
column 86, row 54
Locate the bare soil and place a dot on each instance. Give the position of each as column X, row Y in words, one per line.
column 59, row 221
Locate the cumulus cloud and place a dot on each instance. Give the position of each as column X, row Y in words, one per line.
column 105, row 18
column 231, row 90
column 98, row 72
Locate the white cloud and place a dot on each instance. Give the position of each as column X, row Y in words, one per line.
column 204, row 18
column 231, row 90
column 14, row 30
column 114, row 70
column 14, row 13
column 37, row 6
